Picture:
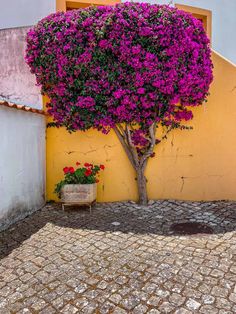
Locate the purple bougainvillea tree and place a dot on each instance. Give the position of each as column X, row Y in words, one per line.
column 133, row 68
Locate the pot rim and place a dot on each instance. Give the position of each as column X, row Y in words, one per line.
column 80, row 184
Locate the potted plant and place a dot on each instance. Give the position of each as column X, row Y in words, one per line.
column 79, row 186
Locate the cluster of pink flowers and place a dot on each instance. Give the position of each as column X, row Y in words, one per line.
column 138, row 138
column 133, row 62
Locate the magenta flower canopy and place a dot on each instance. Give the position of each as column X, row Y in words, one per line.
column 133, row 62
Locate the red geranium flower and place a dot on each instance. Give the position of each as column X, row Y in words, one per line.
column 87, row 165
column 102, row 167
column 66, row 170
column 78, row 163
column 71, row 170
column 88, row 172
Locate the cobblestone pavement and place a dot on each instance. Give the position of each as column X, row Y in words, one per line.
column 120, row 259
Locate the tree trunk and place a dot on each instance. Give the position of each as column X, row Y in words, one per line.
column 138, row 162
column 142, row 186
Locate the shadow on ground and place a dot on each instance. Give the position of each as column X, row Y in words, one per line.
column 125, row 217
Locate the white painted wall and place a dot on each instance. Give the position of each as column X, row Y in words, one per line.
column 223, row 23
column 22, row 164
column 17, row 13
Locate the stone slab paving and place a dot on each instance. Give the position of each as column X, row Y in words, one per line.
column 122, row 258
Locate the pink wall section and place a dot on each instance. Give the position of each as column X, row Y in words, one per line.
column 17, row 84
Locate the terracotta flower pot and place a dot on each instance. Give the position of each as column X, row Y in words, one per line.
column 79, row 193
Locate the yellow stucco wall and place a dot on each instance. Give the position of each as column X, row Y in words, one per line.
column 199, row 164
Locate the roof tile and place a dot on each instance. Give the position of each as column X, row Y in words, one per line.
column 21, row 107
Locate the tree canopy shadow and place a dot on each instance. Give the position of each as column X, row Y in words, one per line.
column 123, row 217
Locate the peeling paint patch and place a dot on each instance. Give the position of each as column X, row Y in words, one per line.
column 17, row 83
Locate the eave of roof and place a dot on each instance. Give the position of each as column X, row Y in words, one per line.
column 21, row 107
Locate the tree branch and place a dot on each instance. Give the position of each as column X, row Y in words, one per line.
column 132, row 146
column 122, row 140
column 152, row 135
column 168, row 131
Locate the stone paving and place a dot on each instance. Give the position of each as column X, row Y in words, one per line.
column 120, row 259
